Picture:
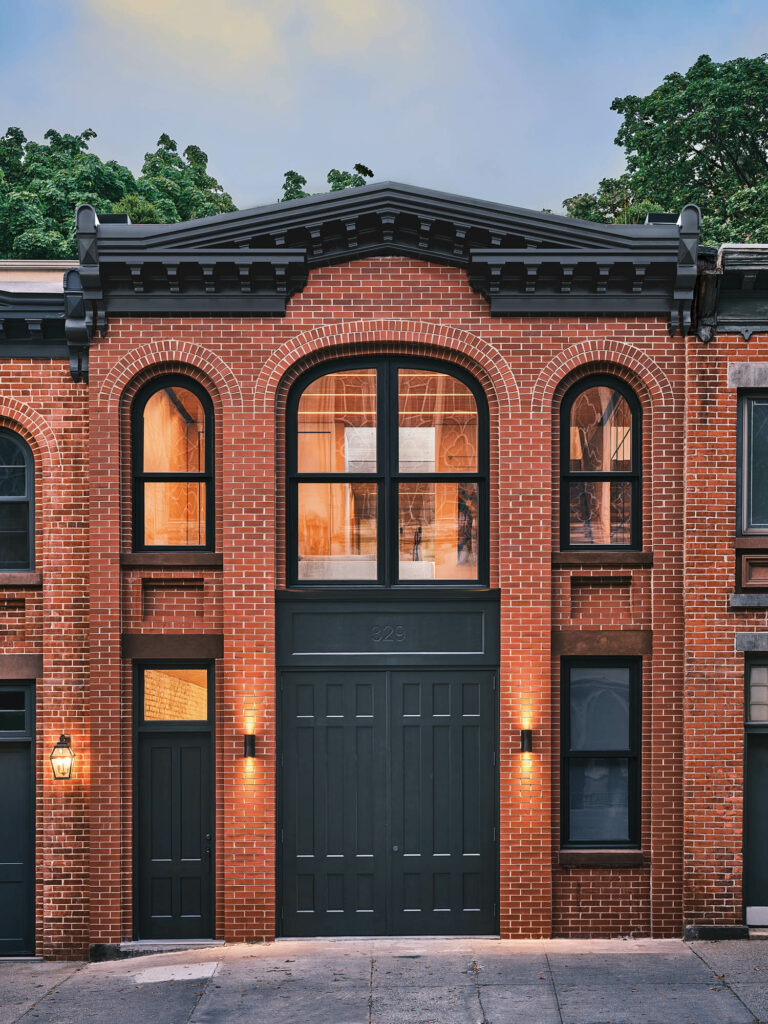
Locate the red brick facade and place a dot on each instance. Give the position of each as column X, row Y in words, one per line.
column 692, row 685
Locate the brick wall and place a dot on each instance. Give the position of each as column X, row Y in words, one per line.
column 391, row 304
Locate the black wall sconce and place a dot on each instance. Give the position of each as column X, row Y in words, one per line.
column 249, row 745
column 62, row 758
column 526, row 741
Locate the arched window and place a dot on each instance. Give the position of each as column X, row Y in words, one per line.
column 172, row 432
column 17, row 504
column 600, row 457
column 387, row 475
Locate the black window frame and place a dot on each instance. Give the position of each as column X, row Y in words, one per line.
column 633, row 754
column 387, row 475
column 28, row 498
column 139, row 477
column 743, row 529
column 634, row 477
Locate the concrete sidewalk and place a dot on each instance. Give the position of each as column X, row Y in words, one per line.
column 403, row 981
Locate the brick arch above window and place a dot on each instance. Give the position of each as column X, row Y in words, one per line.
column 32, row 428
column 170, row 356
column 602, row 356
column 402, row 337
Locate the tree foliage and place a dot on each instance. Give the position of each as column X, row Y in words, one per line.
column 293, row 185
column 41, row 184
column 699, row 137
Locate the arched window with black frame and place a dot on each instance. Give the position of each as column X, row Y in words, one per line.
column 600, row 466
column 387, row 475
column 172, row 452
column 17, row 504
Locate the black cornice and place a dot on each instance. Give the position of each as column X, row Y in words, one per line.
column 32, row 324
column 732, row 291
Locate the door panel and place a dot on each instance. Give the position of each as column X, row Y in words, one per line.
column 443, row 862
column 756, row 821
column 17, row 870
column 388, row 802
column 334, row 863
column 174, row 843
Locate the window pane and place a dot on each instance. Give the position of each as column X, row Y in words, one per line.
column 12, row 711
column 437, row 419
column 757, row 482
column 438, row 530
column 337, row 424
column 600, row 511
column 175, row 694
column 758, row 693
column 599, row 800
column 174, row 513
column 601, row 431
column 14, row 535
column 599, row 708
column 174, row 432
column 337, row 531
column 13, row 468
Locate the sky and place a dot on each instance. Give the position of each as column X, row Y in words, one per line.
column 505, row 100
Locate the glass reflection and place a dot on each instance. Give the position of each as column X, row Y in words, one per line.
column 174, row 513
column 757, row 478
column 599, row 800
column 337, row 424
column 174, row 432
column 14, row 535
column 601, row 432
column 600, row 512
column 437, row 526
column 337, row 531
column 13, row 469
column 175, row 694
column 437, row 421
column 599, row 708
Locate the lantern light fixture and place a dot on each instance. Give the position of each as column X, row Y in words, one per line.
column 62, row 758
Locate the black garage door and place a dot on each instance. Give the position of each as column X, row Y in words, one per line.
column 389, row 802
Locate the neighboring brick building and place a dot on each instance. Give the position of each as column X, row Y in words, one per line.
column 288, row 483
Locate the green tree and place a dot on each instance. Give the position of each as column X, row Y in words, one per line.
column 293, row 185
column 699, row 137
column 41, row 184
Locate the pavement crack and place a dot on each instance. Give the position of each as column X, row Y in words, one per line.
column 202, row 992
column 47, row 992
column 554, row 987
column 476, row 974
column 370, row 991
column 722, row 981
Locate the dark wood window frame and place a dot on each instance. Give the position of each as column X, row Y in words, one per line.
column 567, row 475
column 632, row 754
column 387, row 476
column 28, row 498
column 743, row 529
column 139, row 477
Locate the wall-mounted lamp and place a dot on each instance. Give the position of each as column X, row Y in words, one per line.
column 62, row 758
column 249, row 745
column 526, row 741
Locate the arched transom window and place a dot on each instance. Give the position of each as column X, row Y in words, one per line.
column 600, row 465
column 387, row 468
column 172, row 426
column 17, row 514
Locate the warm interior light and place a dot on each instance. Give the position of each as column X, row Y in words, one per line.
column 62, row 758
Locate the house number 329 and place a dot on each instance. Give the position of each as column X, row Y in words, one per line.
column 388, row 634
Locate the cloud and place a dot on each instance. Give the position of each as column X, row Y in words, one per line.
column 277, row 42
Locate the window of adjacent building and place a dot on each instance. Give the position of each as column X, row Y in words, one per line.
column 757, row 694
column 175, row 693
column 173, row 465
column 17, row 481
column 600, row 458
column 387, row 475
column 753, row 463
column 600, row 742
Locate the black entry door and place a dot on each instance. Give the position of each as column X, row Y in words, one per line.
column 756, row 830
column 388, row 802
column 174, row 842
column 17, row 869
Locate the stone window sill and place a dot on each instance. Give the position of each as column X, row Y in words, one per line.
column 172, row 560
column 737, row 601
column 602, row 859
column 610, row 558
column 17, row 580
